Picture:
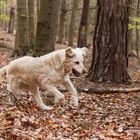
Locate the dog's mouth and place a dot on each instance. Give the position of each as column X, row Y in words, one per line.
column 75, row 72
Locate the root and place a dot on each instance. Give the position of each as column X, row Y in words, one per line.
column 106, row 90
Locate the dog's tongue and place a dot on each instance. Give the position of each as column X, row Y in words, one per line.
column 75, row 72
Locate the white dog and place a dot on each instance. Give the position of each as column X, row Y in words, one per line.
column 46, row 72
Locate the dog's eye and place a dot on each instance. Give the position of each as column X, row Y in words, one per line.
column 77, row 62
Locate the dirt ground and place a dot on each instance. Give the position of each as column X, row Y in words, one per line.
column 114, row 116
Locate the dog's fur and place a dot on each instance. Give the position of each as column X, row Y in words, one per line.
column 46, row 72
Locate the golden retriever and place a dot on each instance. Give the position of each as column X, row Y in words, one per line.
column 46, row 72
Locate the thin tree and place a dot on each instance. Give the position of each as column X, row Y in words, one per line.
column 137, row 33
column 110, row 57
column 38, row 7
column 46, row 27
column 72, row 23
column 82, row 37
column 11, row 20
column 62, row 22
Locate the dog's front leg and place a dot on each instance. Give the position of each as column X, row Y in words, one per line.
column 69, row 86
column 58, row 95
column 35, row 92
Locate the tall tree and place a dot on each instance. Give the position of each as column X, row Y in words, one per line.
column 137, row 32
column 46, row 27
column 21, row 44
column 72, row 23
column 32, row 12
column 38, row 7
column 110, row 60
column 62, row 22
column 11, row 20
column 82, row 37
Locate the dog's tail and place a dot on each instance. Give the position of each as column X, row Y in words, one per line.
column 3, row 73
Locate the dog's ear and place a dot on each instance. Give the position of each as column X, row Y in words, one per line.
column 69, row 52
column 84, row 51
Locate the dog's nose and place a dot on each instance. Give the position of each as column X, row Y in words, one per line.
column 84, row 71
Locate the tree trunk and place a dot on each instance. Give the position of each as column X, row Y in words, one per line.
column 62, row 22
column 11, row 20
column 137, row 33
column 21, row 44
column 46, row 27
column 32, row 12
column 72, row 23
column 110, row 58
column 82, row 37
column 38, row 7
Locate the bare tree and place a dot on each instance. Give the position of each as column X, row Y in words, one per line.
column 62, row 22
column 110, row 57
column 137, row 33
column 82, row 37
column 11, row 20
column 72, row 23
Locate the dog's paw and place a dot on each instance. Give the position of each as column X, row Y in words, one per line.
column 47, row 108
column 59, row 100
column 74, row 101
column 74, row 104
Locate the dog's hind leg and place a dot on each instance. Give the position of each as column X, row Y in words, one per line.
column 58, row 95
column 35, row 92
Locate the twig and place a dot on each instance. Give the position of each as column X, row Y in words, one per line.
column 13, row 96
column 81, row 78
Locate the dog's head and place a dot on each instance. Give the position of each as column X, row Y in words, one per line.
column 75, row 58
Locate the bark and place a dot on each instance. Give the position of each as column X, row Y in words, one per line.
column 110, row 57
column 32, row 12
column 46, row 27
column 82, row 37
column 137, row 33
column 62, row 22
column 11, row 20
column 72, row 23
column 21, row 44
column 38, row 7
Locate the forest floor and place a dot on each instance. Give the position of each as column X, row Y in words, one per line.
column 106, row 116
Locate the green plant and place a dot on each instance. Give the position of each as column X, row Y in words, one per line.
column 4, row 17
column 134, row 23
column 2, row 4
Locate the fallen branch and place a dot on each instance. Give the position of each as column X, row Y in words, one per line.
column 106, row 90
column 16, row 101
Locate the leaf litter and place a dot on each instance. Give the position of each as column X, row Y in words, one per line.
column 99, row 116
